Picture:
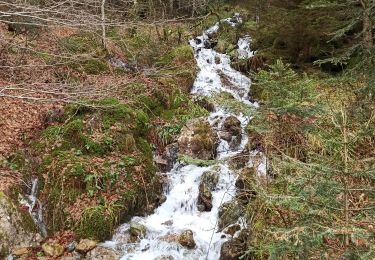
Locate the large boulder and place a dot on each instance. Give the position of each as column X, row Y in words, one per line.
column 186, row 239
column 198, row 140
column 17, row 228
column 204, row 198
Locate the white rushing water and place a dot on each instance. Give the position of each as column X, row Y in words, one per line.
column 35, row 206
column 179, row 212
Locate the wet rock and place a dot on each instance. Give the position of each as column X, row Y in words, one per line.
column 210, row 179
column 71, row 247
column 168, row 223
column 170, row 238
column 232, row 125
column 231, row 250
column 207, row 44
column 198, row 140
column 17, row 228
column 125, row 238
column 231, row 230
column 164, row 257
column 186, row 239
column 204, row 198
column 161, row 163
column 201, row 207
column 231, row 131
column 137, row 230
column 52, row 249
column 147, row 247
column 103, row 253
column 225, row 136
column 168, row 158
column 85, row 245
column 171, row 155
column 229, row 213
column 162, row 199
column 204, row 103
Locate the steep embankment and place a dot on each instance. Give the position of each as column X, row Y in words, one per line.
column 94, row 158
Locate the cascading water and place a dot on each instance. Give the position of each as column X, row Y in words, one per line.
column 35, row 206
column 179, row 212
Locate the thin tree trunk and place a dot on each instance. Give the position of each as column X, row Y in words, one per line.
column 367, row 25
column 193, row 9
column 104, row 43
column 346, row 171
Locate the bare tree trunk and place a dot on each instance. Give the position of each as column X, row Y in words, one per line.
column 104, row 43
column 171, row 4
column 193, row 8
column 367, row 25
column 346, row 171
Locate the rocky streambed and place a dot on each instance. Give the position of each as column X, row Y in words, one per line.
column 200, row 218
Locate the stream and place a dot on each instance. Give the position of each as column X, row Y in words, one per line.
column 179, row 212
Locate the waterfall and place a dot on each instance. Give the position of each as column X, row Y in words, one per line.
column 179, row 212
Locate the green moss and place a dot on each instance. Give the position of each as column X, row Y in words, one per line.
column 98, row 222
column 231, row 104
column 151, row 105
column 94, row 66
column 183, row 53
column 52, row 132
column 27, row 222
column 83, row 43
column 142, row 123
column 180, row 54
column 201, row 163
column 144, row 147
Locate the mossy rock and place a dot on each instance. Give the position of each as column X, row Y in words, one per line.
column 17, row 228
column 204, row 202
column 210, row 179
column 229, row 213
column 198, row 140
column 137, row 230
column 98, row 223
column 189, row 160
